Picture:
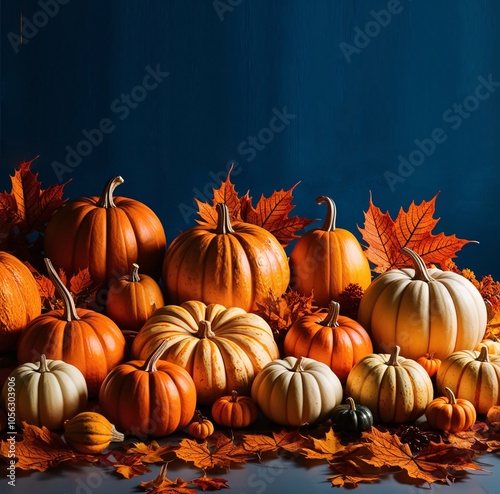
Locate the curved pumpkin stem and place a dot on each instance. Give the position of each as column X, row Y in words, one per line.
column 421, row 271
column 223, row 219
column 43, row 364
column 205, row 330
column 116, row 437
column 393, row 358
column 352, row 404
column 332, row 316
column 70, row 313
column 106, row 199
column 451, row 397
column 483, row 354
column 298, row 365
column 150, row 364
column 234, row 396
column 331, row 213
column 134, row 274
column 199, row 417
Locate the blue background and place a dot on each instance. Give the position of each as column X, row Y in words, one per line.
column 231, row 63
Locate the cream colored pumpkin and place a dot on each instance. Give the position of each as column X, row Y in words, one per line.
column 293, row 391
column 394, row 388
column 221, row 348
column 473, row 376
column 47, row 393
column 423, row 311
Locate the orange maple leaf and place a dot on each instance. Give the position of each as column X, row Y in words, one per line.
column 41, row 449
column 220, row 452
column 210, row 483
column 152, row 452
column 131, row 469
column 413, row 229
column 270, row 213
column 352, row 472
column 324, row 449
column 162, row 484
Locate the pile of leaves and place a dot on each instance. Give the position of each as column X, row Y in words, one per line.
column 424, row 455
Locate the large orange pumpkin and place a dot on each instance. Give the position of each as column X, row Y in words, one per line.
column 325, row 260
column 222, row 348
column 132, row 299
column 106, row 235
column 235, row 265
column 90, row 341
column 338, row 341
column 148, row 398
column 19, row 300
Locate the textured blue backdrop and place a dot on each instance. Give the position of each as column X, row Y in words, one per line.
column 334, row 94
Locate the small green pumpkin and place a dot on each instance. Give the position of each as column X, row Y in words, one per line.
column 351, row 418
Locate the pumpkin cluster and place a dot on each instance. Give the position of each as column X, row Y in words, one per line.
column 179, row 344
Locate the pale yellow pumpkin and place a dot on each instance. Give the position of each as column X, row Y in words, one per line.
column 473, row 376
column 295, row 391
column 47, row 393
column 394, row 388
column 221, row 348
column 423, row 311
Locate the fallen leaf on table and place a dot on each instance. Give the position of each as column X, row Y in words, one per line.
column 163, row 485
column 41, row 449
column 324, row 449
column 152, row 452
column 131, row 468
column 350, row 473
column 210, row 483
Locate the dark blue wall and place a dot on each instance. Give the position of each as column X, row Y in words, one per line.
column 232, row 64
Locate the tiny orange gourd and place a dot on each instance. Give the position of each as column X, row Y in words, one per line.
column 450, row 414
column 200, row 427
column 90, row 433
column 430, row 363
column 234, row 411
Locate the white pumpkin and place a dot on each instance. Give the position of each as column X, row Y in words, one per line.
column 47, row 392
column 294, row 391
column 423, row 311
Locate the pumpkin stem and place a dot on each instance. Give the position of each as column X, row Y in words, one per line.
column 332, row 316
column 393, row 358
column 205, row 330
column 451, row 397
column 298, row 365
column 199, row 416
column 223, row 219
column 234, row 396
column 106, row 199
column 70, row 313
column 352, row 404
column 331, row 213
column 134, row 274
column 150, row 364
column 116, row 437
column 421, row 271
column 483, row 354
column 43, row 364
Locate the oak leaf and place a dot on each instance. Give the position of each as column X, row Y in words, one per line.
column 41, row 449
column 412, row 229
column 271, row 213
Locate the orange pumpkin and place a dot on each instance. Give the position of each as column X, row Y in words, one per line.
column 234, row 411
column 148, row 398
column 200, row 427
column 233, row 264
column 450, row 414
column 84, row 338
column 325, row 260
column 338, row 341
column 19, row 300
column 106, row 235
column 132, row 299
column 430, row 363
